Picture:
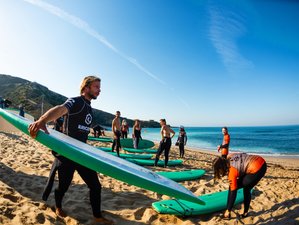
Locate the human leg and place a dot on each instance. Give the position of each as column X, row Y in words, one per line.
column 248, row 182
column 159, row 152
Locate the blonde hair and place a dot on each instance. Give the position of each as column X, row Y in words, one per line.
column 87, row 81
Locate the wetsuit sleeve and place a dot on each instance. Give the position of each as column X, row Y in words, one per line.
column 232, row 177
column 69, row 103
column 233, row 186
column 231, row 198
column 185, row 142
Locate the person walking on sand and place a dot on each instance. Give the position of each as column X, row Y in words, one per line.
column 166, row 133
column 182, row 141
column 78, row 118
column 116, row 129
column 225, row 143
column 244, row 171
column 124, row 129
column 136, row 135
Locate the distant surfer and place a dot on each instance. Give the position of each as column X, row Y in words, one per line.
column 166, row 133
column 124, row 129
column 98, row 131
column 136, row 135
column 244, row 171
column 116, row 129
column 78, row 118
column 21, row 110
column 182, row 141
column 225, row 143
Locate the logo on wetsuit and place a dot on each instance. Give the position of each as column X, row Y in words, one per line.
column 88, row 119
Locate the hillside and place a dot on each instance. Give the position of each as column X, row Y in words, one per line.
column 37, row 99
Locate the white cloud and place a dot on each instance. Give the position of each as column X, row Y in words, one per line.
column 226, row 27
column 84, row 26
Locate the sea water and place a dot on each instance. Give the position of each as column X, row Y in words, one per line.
column 267, row 140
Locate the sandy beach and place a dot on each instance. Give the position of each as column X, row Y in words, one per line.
column 25, row 165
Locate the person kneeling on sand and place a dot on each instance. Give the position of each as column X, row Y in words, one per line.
column 244, row 171
column 78, row 118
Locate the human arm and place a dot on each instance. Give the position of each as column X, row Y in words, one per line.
column 233, row 187
column 172, row 132
column 51, row 115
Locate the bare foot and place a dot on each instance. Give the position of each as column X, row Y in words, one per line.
column 59, row 212
column 102, row 220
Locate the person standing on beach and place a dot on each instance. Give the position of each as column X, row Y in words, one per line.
column 136, row 135
column 182, row 141
column 124, row 129
column 21, row 112
column 225, row 143
column 116, row 129
column 244, row 171
column 78, row 118
column 165, row 142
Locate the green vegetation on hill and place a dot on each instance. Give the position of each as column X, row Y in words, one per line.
column 37, row 99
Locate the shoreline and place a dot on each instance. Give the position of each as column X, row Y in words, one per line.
column 285, row 161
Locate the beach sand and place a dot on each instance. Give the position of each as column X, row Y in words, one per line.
column 25, row 165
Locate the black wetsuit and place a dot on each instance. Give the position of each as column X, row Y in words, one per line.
column 97, row 129
column 165, row 145
column 137, row 134
column 116, row 142
column 76, row 124
column 182, row 140
column 59, row 124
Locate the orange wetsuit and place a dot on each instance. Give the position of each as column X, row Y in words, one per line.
column 225, row 145
column 245, row 172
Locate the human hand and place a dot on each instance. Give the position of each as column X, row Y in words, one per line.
column 34, row 128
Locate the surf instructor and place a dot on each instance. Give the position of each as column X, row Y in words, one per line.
column 78, row 118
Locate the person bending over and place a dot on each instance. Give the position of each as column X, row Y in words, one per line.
column 244, row 171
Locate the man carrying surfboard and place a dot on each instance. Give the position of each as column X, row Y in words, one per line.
column 167, row 133
column 78, row 118
column 116, row 129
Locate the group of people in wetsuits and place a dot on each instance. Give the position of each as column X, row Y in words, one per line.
column 244, row 171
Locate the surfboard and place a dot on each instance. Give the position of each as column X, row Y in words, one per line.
column 123, row 155
column 134, row 150
column 151, row 162
column 128, row 143
column 182, row 175
column 100, row 139
column 103, row 162
column 214, row 202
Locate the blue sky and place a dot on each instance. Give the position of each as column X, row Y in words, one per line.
column 195, row 63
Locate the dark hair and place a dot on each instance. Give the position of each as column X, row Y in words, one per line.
column 163, row 120
column 225, row 128
column 220, row 167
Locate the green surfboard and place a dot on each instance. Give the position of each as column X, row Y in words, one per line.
column 122, row 155
column 214, row 202
column 134, row 150
column 182, row 175
column 128, row 143
column 100, row 139
column 103, row 162
column 150, row 162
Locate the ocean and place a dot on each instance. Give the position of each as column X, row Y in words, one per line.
column 266, row 140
